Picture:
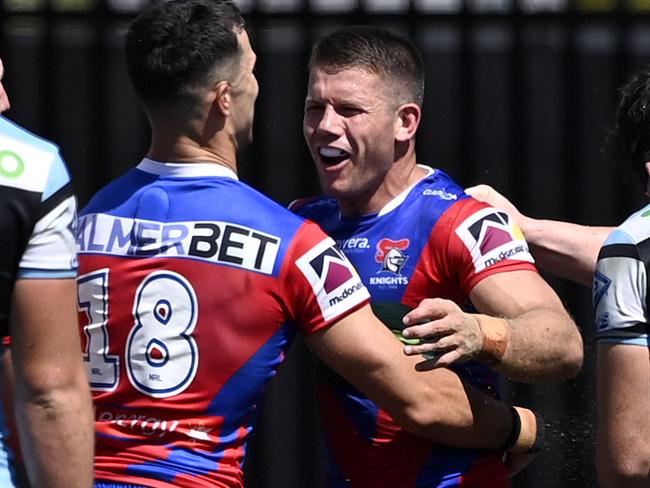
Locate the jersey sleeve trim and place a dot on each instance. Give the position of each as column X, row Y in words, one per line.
column 52, row 244
column 618, row 251
column 320, row 284
column 641, row 340
column 33, row 273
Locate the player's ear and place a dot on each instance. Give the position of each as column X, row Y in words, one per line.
column 407, row 121
column 222, row 98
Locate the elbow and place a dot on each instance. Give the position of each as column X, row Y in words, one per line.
column 618, row 465
column 428, row 420
column 53, row 394
column 632, row 471
column 575, row 355
column 573, row 360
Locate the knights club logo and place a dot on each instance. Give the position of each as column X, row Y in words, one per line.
column 391, row 255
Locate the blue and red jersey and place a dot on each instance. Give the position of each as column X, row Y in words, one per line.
column 191, row 288
column 431, row 241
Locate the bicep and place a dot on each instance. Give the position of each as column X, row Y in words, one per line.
column 43, row 326
column 623, row 402
column 513, row 293
column 360, row 348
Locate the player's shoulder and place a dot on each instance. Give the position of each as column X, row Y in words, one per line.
column 314, row 207
column 13, row 133
column 29, row 162
column 635, row 228
column 437, row 188
column 630, row 239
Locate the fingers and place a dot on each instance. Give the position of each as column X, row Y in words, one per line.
column 443, row 361
column 429, row 309
column 441, row 352
column 431, row 347
column 445, row 332
column 480, row 192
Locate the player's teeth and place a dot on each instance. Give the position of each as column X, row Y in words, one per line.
column 332, row 152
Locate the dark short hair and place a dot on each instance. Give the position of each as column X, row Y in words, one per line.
column 176, row 46
column 628, row 140
column 376, row 50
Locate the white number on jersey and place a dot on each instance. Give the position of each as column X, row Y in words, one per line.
column 161, row 354
column 102, row 369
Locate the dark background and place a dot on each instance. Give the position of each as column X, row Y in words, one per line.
column 519, row 95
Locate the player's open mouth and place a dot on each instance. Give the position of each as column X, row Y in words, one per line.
column 332, row 155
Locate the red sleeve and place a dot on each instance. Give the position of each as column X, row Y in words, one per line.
column 470, row 242
column 320, row 285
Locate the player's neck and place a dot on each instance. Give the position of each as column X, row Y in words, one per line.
column 399, row 179
column 184, row 149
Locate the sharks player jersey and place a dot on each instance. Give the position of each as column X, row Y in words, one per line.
column 37, row 210
column 620, row 291
column 431, row 241
column 191, row 287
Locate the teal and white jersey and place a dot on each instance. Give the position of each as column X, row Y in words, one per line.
column 620, row 291
column 37, row 212
column 37, row 215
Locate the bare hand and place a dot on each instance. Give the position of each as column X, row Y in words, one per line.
column 487, row 194
column 447, row 333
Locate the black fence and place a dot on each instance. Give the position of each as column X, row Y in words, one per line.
column 519, row 95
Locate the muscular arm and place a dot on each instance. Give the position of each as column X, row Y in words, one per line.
column 50, row 386
column 565, row 249
column 436, row 404
column 543, row 342
column 623, row 455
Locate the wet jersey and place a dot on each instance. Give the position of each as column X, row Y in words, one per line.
column 191, row 287
column 37, row 210
column 620, row 291
column 431, row 241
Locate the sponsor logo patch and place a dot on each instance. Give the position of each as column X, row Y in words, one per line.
column 335, row 282
column 442, row 194
column 353, row 244
column 601, row 285
column 491, row 237
column 14, row 170
column 215, row 242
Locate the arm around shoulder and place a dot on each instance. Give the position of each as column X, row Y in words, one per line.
column 565, row 249
column 436, row 404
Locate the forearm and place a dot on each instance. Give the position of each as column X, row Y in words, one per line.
column 56, row 434
column 460, row 415
column 436, row 404
column 539, row 345
column 565, row 249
